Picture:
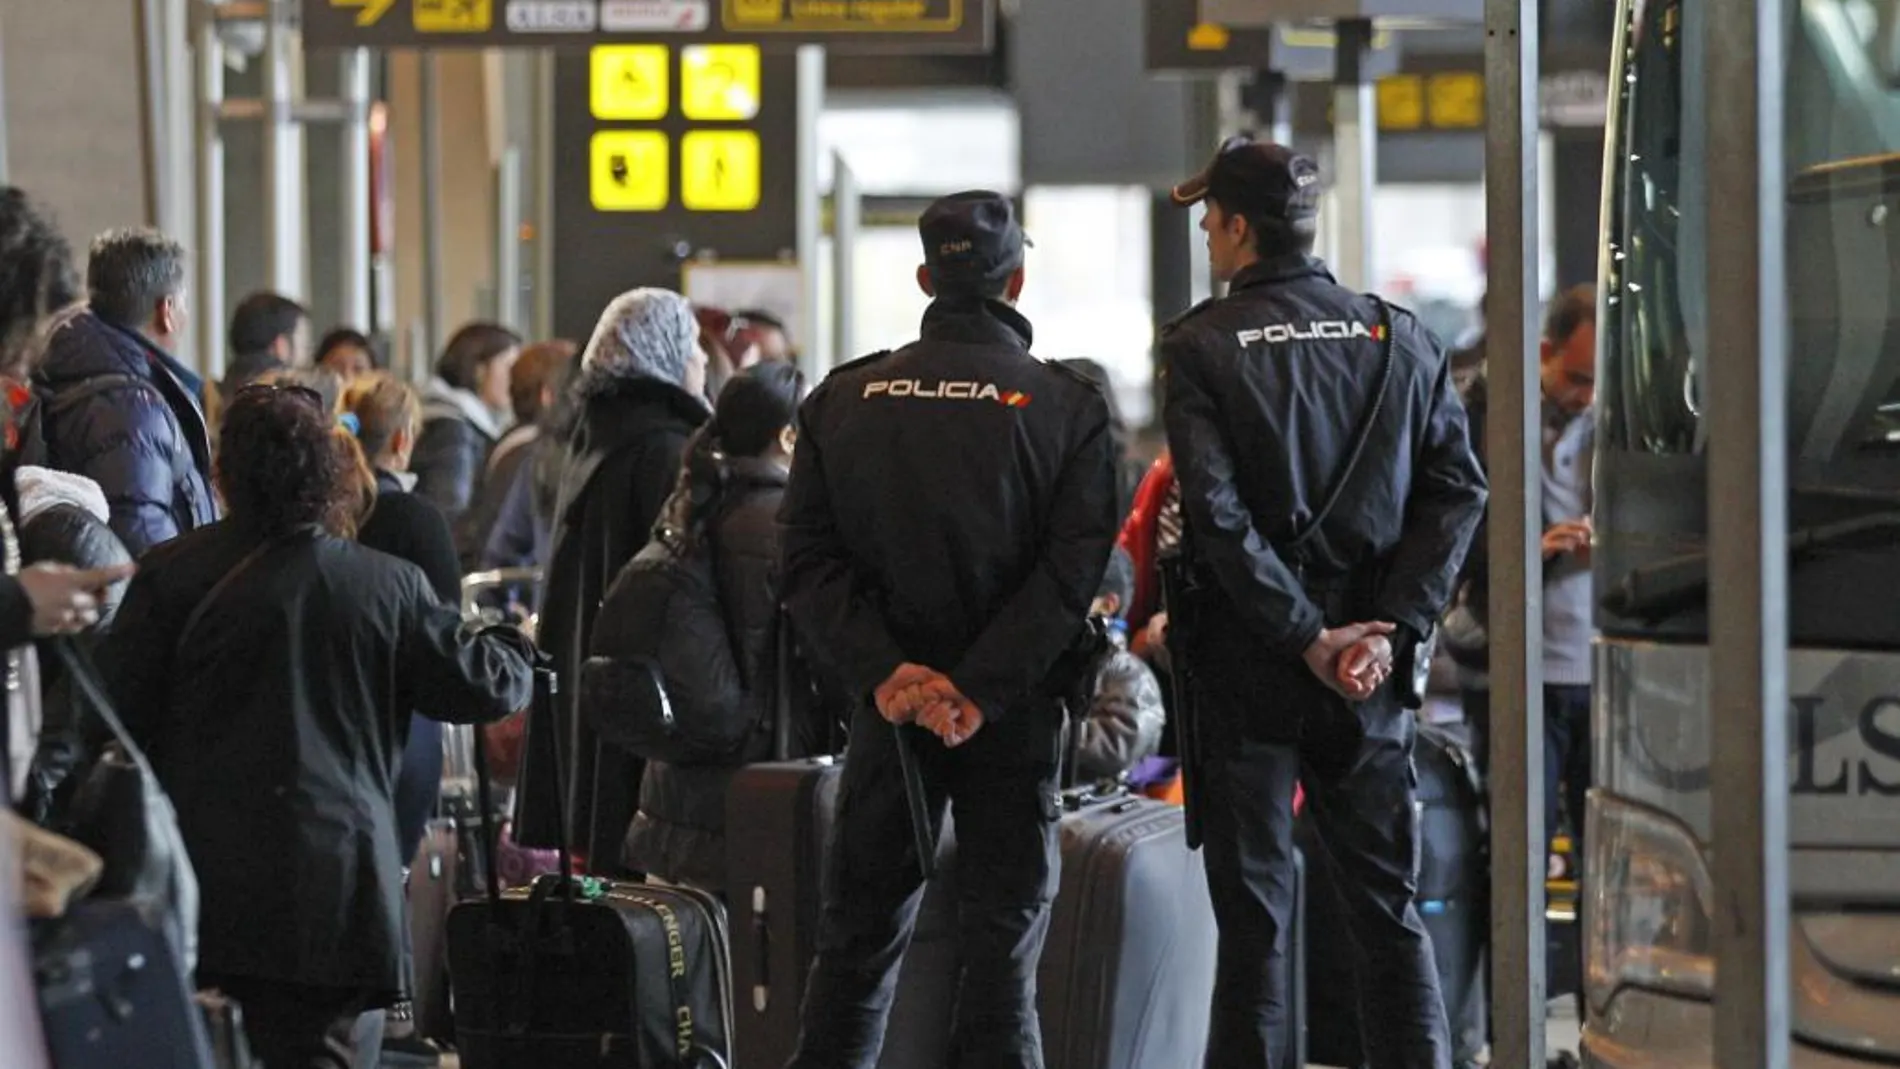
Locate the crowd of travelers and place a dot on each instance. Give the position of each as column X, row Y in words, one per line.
column 264, row 577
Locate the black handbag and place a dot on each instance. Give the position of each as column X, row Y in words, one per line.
column 122, row 813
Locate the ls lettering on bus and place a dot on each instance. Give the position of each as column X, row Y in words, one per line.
column 1878, row 726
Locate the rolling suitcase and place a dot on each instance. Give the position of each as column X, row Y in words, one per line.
column 1119, row 988
column 1127, row 974
column 113, row 993
column 578, row 972
column 778, row 825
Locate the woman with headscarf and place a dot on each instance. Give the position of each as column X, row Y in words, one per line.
column 641, row 390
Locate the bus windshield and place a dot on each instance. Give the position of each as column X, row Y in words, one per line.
column 1842, row 210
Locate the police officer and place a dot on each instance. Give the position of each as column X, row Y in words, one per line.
column 949, row 518
column 1302, row 635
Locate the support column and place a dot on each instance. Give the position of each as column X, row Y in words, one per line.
column 1355, row 154
column 1514, row 459
column 1748, row 548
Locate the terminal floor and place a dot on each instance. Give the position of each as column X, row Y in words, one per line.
column 1561, row 1032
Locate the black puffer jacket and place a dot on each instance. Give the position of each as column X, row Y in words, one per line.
column 451, row 454
column 679, row 832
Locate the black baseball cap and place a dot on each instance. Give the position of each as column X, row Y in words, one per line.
column 1257, row 178
column 971, row 239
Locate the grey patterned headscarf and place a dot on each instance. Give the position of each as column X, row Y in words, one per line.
column 643, row 334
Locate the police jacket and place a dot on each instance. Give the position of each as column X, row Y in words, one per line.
column 1264, row 389
column 952, row 504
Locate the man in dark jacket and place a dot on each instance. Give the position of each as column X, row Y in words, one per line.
column 118, row 408
column 1265, row 391
column 269, row 332
column 949, row 518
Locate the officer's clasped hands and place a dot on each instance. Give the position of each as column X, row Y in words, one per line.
column 1349, row 661
column 926, row 697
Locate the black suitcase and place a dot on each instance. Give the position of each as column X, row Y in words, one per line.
column 578, row 972
column 1453, row 889
column 779, row 818
column 112, row 992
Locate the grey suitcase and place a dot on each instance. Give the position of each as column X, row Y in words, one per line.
column 1127, row 974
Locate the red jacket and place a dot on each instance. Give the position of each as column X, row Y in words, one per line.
column 1138, row 539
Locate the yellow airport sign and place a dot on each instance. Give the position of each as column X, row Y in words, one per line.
column 755, row 11
column 628, row 81
column 1456, row 100
column 1401, row 102
column 1209, row 37
column 453, row 16
column 719, row 171
column 719, row 83
column 630, row 170
column 368, row 12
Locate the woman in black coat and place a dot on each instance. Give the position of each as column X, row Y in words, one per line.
column 384, row 413
column 726, row 506
column 267, row 665
column 641, row 388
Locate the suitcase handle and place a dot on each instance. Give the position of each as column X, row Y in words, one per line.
column 546, row 689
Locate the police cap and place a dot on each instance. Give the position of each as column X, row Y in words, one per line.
column 971, row 240
column 1258, row 179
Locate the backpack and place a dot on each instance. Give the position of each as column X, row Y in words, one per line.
column 663, row 678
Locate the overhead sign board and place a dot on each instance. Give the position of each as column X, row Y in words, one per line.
column 845, row 26
column 1179, row 41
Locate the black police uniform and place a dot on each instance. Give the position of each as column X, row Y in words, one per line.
column 1264, row 390
column 951, row 504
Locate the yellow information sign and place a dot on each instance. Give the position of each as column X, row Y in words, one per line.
column 719, row 171
column 755, row 11
column 1208, row 37
column 1455, row 100
column 369, row 12
column 454, row 16
column 1401, row 102
column 628, row 81
column 720, row 82
column 630, row 171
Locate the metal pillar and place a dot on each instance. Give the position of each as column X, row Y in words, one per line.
column 152, row 99
column 847, row 215
column 432, row 328
column 358, row 274
column 1514, row 437
column 210, row 201
column 3, row 109
column 1355, row 145
column 283, row 155
column 811, row 104
column 508, row 239
column 1748, row 549
column 544, row 66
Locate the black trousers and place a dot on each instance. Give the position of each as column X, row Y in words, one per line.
column 1567, row 770
column 1368, row 823
column 296, row 1026
column 1001, row 791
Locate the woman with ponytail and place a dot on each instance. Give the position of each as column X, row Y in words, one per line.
column 726, row 506
column 382, row 416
